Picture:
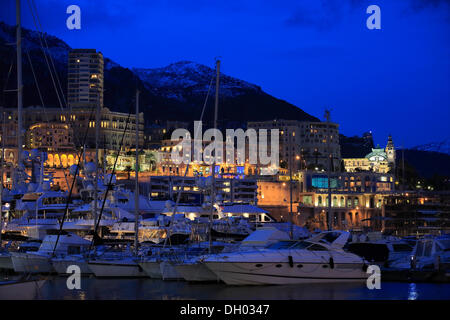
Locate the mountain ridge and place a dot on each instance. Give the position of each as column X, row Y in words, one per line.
column 173, row 92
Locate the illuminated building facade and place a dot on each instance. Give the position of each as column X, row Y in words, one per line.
column 379, row 160
column 305, row 144
column 80, row 120
column 51, row 136
column 166, row 166
column 356, row 199
column 230, row 190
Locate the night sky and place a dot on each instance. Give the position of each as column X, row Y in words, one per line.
column 315, row 54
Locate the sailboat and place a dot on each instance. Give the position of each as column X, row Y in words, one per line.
column 124, row 265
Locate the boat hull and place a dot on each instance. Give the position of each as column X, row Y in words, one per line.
column 196, row 272
column 61, row 265
column 152, row 269
column 117, row 269
column 31, row 263
column 169, row 272
column 246, row 273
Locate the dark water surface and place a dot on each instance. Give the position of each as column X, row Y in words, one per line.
column 92, row 288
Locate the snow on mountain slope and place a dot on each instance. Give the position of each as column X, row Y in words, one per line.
column 442, row 146
column 187, row 77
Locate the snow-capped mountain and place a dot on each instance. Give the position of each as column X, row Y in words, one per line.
column 174, row 92
column 173, row 80
column 442, row 146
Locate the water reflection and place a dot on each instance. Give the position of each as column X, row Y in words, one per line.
column 412, row 294
column 126, row 289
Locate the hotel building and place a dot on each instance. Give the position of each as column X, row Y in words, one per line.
column 305, row 144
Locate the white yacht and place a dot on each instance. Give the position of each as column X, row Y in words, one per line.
column 40, row 261
column 62, row 263
column 193, row 269
column 154, row 263
column 39, row 212
column 318, row 259
column 116, row 264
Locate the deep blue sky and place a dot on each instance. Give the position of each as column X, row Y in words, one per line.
column 315, row 54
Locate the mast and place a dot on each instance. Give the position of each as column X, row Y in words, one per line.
column 136, row 187
column 97, row 134
column 19, row 88
column 291, row 218
column 213, row 166
column 1, row 177
column 330, row 159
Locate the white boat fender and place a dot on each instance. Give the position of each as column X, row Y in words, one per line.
column 291, row 261
column 331, row 263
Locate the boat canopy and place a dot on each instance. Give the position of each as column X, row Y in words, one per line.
column 264, row 236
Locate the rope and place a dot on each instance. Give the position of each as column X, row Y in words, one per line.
column 45, row 113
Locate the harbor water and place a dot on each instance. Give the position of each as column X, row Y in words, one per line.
column 92, row 288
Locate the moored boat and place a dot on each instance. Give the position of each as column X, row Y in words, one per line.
column 320, row 259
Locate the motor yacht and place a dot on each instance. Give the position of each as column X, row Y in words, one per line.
column 319, row 259
column 193, row 269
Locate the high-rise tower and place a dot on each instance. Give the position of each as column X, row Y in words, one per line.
column 85, row 77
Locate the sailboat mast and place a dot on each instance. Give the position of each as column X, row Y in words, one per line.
column 19, row 85
column 330, row 160
column 213, row 166
column 136, row 187
column 1, row 177
column 97, row 136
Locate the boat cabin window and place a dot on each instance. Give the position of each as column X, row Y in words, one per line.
column 282, row 245
column 401, row 248
column 54, row 200
column 301, row 245
column 317, row 247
